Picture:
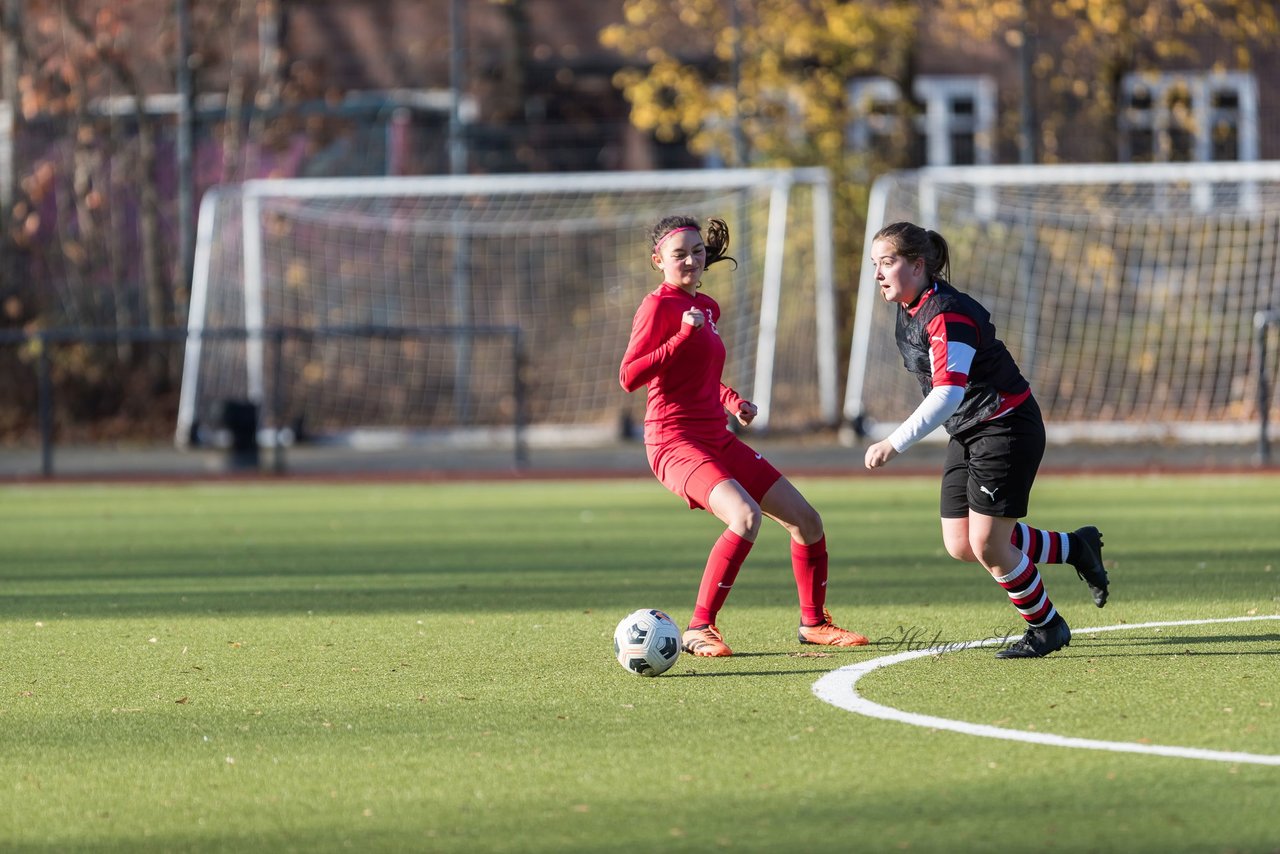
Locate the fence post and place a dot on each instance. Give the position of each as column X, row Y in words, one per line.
column 1261, row 321
column 522, row 452
column 277, row 401
column 44, row 386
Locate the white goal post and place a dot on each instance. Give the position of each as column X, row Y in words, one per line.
column 563, row 258
column 1127, row 292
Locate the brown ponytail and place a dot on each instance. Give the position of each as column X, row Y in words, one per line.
column 715, row 238
column 911, row 242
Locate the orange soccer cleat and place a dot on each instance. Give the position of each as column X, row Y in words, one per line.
column 705, row 641
column 828, row 633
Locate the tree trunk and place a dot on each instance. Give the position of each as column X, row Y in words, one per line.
column 12, row 34
column 157, row 291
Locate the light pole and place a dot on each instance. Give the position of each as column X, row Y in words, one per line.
column 1027, row 131
column 457, row 82
column 739, row 134
column 185, row 146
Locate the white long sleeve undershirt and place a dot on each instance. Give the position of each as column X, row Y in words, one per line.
column 938, row 405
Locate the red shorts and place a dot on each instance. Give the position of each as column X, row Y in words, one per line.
column 691, row 468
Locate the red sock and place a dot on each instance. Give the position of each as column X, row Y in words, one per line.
column 809, row 564
column 723, row 564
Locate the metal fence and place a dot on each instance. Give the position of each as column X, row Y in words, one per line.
column 258, row 423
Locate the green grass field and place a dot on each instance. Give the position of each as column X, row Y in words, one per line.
column 312, row 666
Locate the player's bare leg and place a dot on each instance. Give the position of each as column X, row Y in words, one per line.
column 784, row 504
column 731, row 504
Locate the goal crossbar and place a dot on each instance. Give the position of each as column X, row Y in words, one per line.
column 255, row 264
column 1126, row 291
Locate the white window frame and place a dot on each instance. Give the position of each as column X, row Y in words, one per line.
column 939, row 94
column 872, row 102
column 1201, row 87
column 790, row 99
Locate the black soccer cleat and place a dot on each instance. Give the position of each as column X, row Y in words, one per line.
column 1039, row 641
column 1088, row 563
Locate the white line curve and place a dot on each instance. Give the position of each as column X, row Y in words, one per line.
column 839, row 688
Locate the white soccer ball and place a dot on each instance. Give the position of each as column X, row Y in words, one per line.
column 647, row 642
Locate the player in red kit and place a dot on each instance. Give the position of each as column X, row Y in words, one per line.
column 676, row 351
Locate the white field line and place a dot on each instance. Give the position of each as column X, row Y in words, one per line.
column 839, row 688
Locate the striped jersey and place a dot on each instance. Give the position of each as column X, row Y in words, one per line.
column 946, row 338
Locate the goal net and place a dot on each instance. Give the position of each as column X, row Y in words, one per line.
column 1127, row 293
column 378, row 308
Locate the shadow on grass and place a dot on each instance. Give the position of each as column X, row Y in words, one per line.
column 1188, row 645
column 822, row 662
column 167, row 579
column 742, row 673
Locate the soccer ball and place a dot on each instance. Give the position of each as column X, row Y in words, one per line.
column 647, row 642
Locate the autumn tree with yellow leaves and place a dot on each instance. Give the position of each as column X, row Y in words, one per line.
column 1079, row 51
column 775, row 73
column 764, row 84
column 792, row 62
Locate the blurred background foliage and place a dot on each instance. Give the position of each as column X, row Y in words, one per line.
column 92, row 233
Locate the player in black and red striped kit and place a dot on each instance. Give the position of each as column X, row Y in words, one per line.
column 676, row 350
column 974, row 389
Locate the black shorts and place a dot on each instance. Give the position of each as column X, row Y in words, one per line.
column 989, row 468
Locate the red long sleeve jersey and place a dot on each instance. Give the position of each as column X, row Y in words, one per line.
column 681, row 365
